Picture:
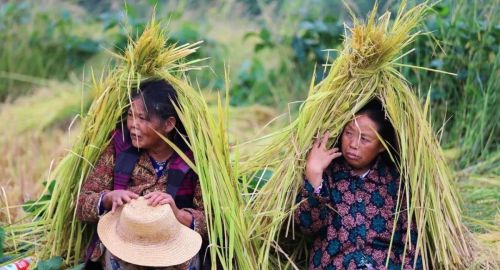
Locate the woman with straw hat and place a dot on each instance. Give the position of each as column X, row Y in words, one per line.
column 350, row 198
column 139, row 162
column 144, row 237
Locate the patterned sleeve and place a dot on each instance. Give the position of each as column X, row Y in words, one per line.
column 98, row 181
column 198, row 210
column 312, row 212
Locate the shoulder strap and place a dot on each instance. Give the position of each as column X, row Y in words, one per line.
column 124, row 165
column 126, row 157
column 177, row 171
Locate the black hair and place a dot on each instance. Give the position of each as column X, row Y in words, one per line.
column 376, row 112
column 159, row 97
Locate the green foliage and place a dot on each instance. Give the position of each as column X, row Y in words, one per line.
column 37, row 206
column 54, row 263
column 469, row 34
column 259, row 179
column 38, row 43
column 251, row 86
column 313, row 37
column 305, row 48
column 2, row 240
column 265, row 39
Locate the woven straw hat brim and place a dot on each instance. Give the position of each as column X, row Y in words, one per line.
column 178, row 250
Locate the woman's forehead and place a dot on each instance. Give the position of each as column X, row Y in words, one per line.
column 363, row 123
column 137, row 105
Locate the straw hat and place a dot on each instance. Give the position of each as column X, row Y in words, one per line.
column 149, row 236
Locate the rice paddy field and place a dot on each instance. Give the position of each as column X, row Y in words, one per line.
column 259, row 64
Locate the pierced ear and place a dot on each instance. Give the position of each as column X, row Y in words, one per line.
column 170, row 124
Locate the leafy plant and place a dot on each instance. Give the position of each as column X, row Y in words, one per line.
column 37, row 44
column 54, row 263
column 37, row 206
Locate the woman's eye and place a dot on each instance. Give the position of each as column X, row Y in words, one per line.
column 364, row 139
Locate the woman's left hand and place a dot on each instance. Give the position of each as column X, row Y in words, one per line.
column 159, row 198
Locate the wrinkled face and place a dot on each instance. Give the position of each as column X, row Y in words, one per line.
column 142, row 128
column 360, row 144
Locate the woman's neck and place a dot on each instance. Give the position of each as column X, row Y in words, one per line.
column 360, row 172
column 161, row 153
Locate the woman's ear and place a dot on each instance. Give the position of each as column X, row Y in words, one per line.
column 381, row 148
column 169, row 124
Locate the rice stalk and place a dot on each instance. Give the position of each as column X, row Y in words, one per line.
column 366, row 68
column 54, row 229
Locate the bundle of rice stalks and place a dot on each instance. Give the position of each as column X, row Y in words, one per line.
column 227, row 221
column 367, row 68
column 52, row 230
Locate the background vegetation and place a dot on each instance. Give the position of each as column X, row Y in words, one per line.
column 49, row 47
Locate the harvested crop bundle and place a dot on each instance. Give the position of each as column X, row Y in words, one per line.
column 51, row 230
column 367, row 69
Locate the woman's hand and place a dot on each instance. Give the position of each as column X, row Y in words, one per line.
column 159, row 198
column 318, row 160
column 117, row 198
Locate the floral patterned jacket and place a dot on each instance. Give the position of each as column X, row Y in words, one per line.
column 142, row 181
column 352, row 219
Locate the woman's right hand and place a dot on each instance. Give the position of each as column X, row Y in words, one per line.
column 318, row 160
column 116, row 198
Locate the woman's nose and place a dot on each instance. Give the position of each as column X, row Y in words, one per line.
column 135, row 123
column 354, row 143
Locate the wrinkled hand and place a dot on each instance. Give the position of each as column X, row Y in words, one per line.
column 318, row 159
column 160, row 198
column 116, row 198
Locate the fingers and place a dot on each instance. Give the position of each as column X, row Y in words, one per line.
column 334, row 153
column 120, row 198
column 154, row 199
column 167, row 201
column 132, row 195
column 151, row 197
column 158, row 198
column 127, row 197
column 316, row 143
column 116, row 203
column 324, row 140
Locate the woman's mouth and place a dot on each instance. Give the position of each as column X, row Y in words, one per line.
column 352, row 156
column 135, row 137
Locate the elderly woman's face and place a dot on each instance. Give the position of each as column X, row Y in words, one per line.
column 142, row 128
column 360, row 144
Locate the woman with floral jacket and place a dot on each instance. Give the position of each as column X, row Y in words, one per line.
column 350, row 196
column 151, row 111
